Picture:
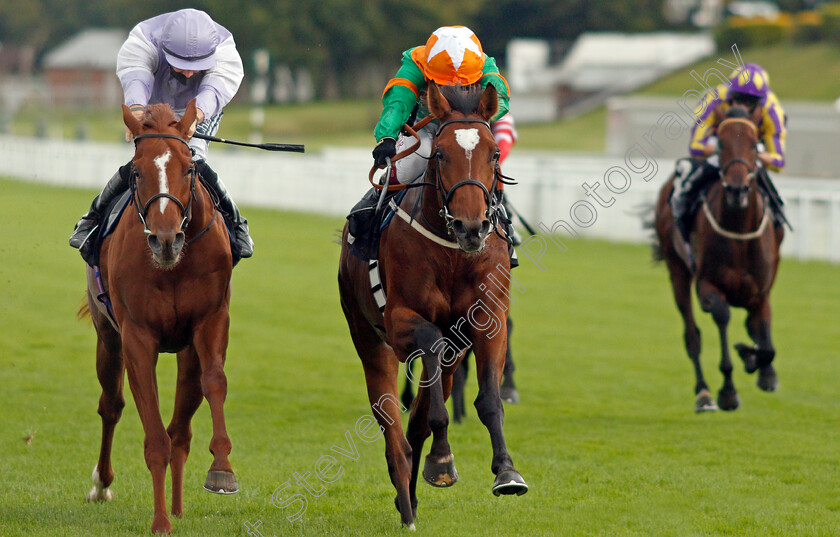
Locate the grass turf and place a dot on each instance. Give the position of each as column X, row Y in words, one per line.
column 605, row 434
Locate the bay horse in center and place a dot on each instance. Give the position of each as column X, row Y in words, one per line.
column 436, row 260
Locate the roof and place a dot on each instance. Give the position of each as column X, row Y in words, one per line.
column 95, row 48
column 601, row 60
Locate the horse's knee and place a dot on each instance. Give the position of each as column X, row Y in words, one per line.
column 157, row 450
column 180, row 437
column 426, row 335
column 110, row 409
column 489, row 407
column 213, row 380
column 715, row 304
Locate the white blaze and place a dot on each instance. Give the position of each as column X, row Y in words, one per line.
column 160, row 163
column 468, row 139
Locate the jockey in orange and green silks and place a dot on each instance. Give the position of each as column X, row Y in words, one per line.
column 749, row 87
column 436, row 61
column 452, row 55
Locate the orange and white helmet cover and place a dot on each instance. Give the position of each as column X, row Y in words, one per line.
column 452, row 55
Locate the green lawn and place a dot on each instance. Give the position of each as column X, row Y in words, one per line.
column 605, row 434
column 797, row 72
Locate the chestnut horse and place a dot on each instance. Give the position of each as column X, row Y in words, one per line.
column 435, row 306
column 167, row 269
column 736, row 247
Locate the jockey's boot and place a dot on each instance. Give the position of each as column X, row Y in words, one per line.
column 361, row 215
column 83, row 235
column 242, row 246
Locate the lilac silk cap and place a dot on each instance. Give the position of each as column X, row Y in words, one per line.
column 190, row 40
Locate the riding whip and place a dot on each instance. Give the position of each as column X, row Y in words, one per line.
column 296, row 148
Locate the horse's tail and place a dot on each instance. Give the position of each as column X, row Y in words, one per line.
column 647, row 212
column 84, row 310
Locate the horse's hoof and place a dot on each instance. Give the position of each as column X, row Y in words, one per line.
column 99, row 492
column 728, row 400
column 220, row 482
column 704, row 402
column 440, row 474
column 509, row 394
column 767, row 379
column 409, row 527
column 748, row 355
column 509, row 482
column 161, row 525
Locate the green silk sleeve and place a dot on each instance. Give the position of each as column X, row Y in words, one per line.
column 399, row 98
column 491, row 75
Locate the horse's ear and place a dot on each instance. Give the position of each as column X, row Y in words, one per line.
column 187, row 119
column 134, row 126
column 438, row 105
column 489, row 105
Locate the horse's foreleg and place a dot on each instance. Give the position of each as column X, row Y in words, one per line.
column 489, row 360
column 681, row 286
column 110, row 370
column 140, row 359
column 188, row 398
column 758, row 326
column 508, row 392
column 420, row 338
column 210, row 341
column 459, row 382
column 712, row 301
column 381, row 372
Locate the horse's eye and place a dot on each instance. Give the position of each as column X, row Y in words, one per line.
column 439, row 154
column 497, row 155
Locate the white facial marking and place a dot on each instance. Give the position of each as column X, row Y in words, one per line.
column 160, row 163
column 468, row 139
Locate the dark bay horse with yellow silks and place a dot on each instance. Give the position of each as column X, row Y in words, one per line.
column 736, row 247
column 435, row 308
column 167, row 270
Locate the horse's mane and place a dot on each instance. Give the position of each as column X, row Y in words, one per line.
column 737, row 112
column 158, row 117
column 464, row 99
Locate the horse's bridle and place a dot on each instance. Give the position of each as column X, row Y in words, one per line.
column 446, row 195
column 186, row 212
column 751, row 168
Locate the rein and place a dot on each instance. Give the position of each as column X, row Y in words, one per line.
column 445, row 196
column 186, row 211
column 762, row 226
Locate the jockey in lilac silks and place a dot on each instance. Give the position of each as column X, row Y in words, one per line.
column 172, row 59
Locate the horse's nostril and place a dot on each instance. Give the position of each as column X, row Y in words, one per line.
column 459, row 227
column 179, row 241
column 154, row 243
column 486, row 226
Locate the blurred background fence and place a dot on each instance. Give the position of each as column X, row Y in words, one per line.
column 331, row 181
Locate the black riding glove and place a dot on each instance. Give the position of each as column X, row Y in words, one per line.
column 386, row 148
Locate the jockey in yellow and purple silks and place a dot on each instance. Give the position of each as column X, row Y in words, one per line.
column 451, row 56
column 749, row 87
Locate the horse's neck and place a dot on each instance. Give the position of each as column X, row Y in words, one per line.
column 202, row 209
